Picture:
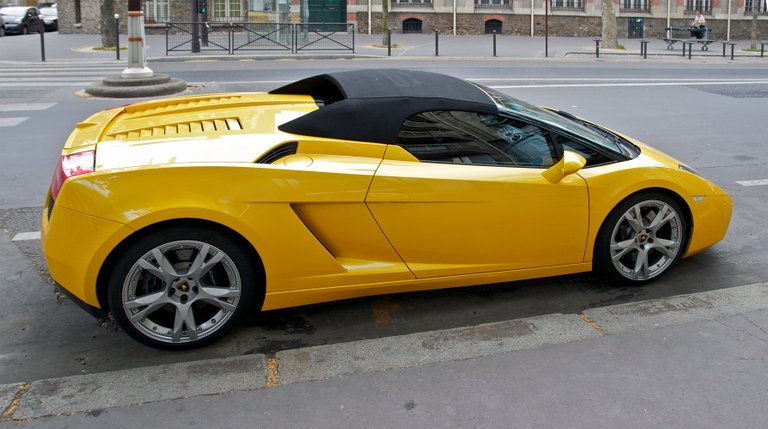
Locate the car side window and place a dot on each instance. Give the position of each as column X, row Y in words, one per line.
column 592, row 155
column 461, row 137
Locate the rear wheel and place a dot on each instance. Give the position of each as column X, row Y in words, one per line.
column 181, row 288
column 641, row 238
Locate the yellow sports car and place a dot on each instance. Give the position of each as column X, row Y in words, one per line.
column 179, row 216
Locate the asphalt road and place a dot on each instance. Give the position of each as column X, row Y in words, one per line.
column 710, row 116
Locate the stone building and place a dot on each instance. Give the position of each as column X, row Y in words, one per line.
column 635, row 18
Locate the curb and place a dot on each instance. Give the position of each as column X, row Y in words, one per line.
column 93, row 392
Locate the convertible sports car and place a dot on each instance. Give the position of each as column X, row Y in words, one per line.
column 179, row 216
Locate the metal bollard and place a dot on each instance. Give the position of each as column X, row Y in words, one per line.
column 597, row 47
column 732, row 45
column 644, row 48
column 42, row 44
column 117, row 36
column 494, row 43
column 437, row 51
column 389, row 42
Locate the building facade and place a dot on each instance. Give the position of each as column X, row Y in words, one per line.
column 582, row 18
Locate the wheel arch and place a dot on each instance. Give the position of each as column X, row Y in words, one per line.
column 102, row 279
column 687, row 215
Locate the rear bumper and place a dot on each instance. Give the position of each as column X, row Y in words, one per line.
column 75, row 246
column 93, row 311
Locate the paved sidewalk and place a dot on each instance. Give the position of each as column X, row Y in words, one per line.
column 80, row 47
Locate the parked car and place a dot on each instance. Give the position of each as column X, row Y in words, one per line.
column 50, row 15
column 180, row 216
column 22, row 20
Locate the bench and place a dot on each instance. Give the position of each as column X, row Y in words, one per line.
column 704, row 41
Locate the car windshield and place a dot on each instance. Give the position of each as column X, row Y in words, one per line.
column 563, row 121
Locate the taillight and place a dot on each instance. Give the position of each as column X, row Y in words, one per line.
column 71, row 166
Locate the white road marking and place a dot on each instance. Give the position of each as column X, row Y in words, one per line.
column 12, row 122
column 16, row 107
column 762, row 182
column 631, row 84
column 25, row 236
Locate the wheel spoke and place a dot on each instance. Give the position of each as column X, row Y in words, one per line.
column 135, row 318
column 156, row 271
column 634, row 221
column 622, row 248
column 153, row 298
column 184, row 316
column 663, row 216
column 667, row 247
column 199, row 260
column 641, row 265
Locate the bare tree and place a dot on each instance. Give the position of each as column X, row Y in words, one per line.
column 609, row 25
column 108, row 30
column 755, row 12
column 384, row 21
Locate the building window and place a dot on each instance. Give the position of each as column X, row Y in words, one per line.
column 156, row 11
column 635, row 6
column 227, row 10
column 493, row 26
column 705, row 6
column 491, row 3
column 412, row 25
column 577, row 5
column 749, row 3
column 411, row 2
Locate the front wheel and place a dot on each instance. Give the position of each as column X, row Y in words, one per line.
column 640, row 239
column 181, row 288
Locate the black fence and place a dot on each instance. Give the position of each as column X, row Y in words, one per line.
column 230, row 37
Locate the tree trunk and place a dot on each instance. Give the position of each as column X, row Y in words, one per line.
column 108, row 30
column 609, row 25
column 755, row 12
column 384, row 21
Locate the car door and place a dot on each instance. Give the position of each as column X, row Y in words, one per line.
column 463, row 193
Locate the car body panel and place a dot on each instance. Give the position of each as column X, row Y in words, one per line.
column 448, row 219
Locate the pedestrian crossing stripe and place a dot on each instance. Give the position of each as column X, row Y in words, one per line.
column 25, row 107
column 12, row 122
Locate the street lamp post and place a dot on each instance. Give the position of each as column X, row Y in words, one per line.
column 117, row 36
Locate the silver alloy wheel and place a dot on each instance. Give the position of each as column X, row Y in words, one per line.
column 646, row 240
column 181, row 291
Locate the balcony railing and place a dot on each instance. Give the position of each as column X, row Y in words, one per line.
column 573, row 5
column 492, row 4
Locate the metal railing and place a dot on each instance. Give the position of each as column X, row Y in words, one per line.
column 230, row 37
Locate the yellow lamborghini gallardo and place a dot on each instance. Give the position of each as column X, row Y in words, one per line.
column 179, row 216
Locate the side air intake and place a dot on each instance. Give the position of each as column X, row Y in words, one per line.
column 278, row 152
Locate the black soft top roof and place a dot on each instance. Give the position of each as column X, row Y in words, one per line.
column 371, row 105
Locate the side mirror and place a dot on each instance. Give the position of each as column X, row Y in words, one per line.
column 569, row 164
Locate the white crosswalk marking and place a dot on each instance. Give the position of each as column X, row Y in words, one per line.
column 12, row 122
column 21, row 107
column 56, row 74
column 761, row 182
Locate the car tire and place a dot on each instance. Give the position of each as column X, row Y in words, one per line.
column 634, row 246
column 181, row 287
